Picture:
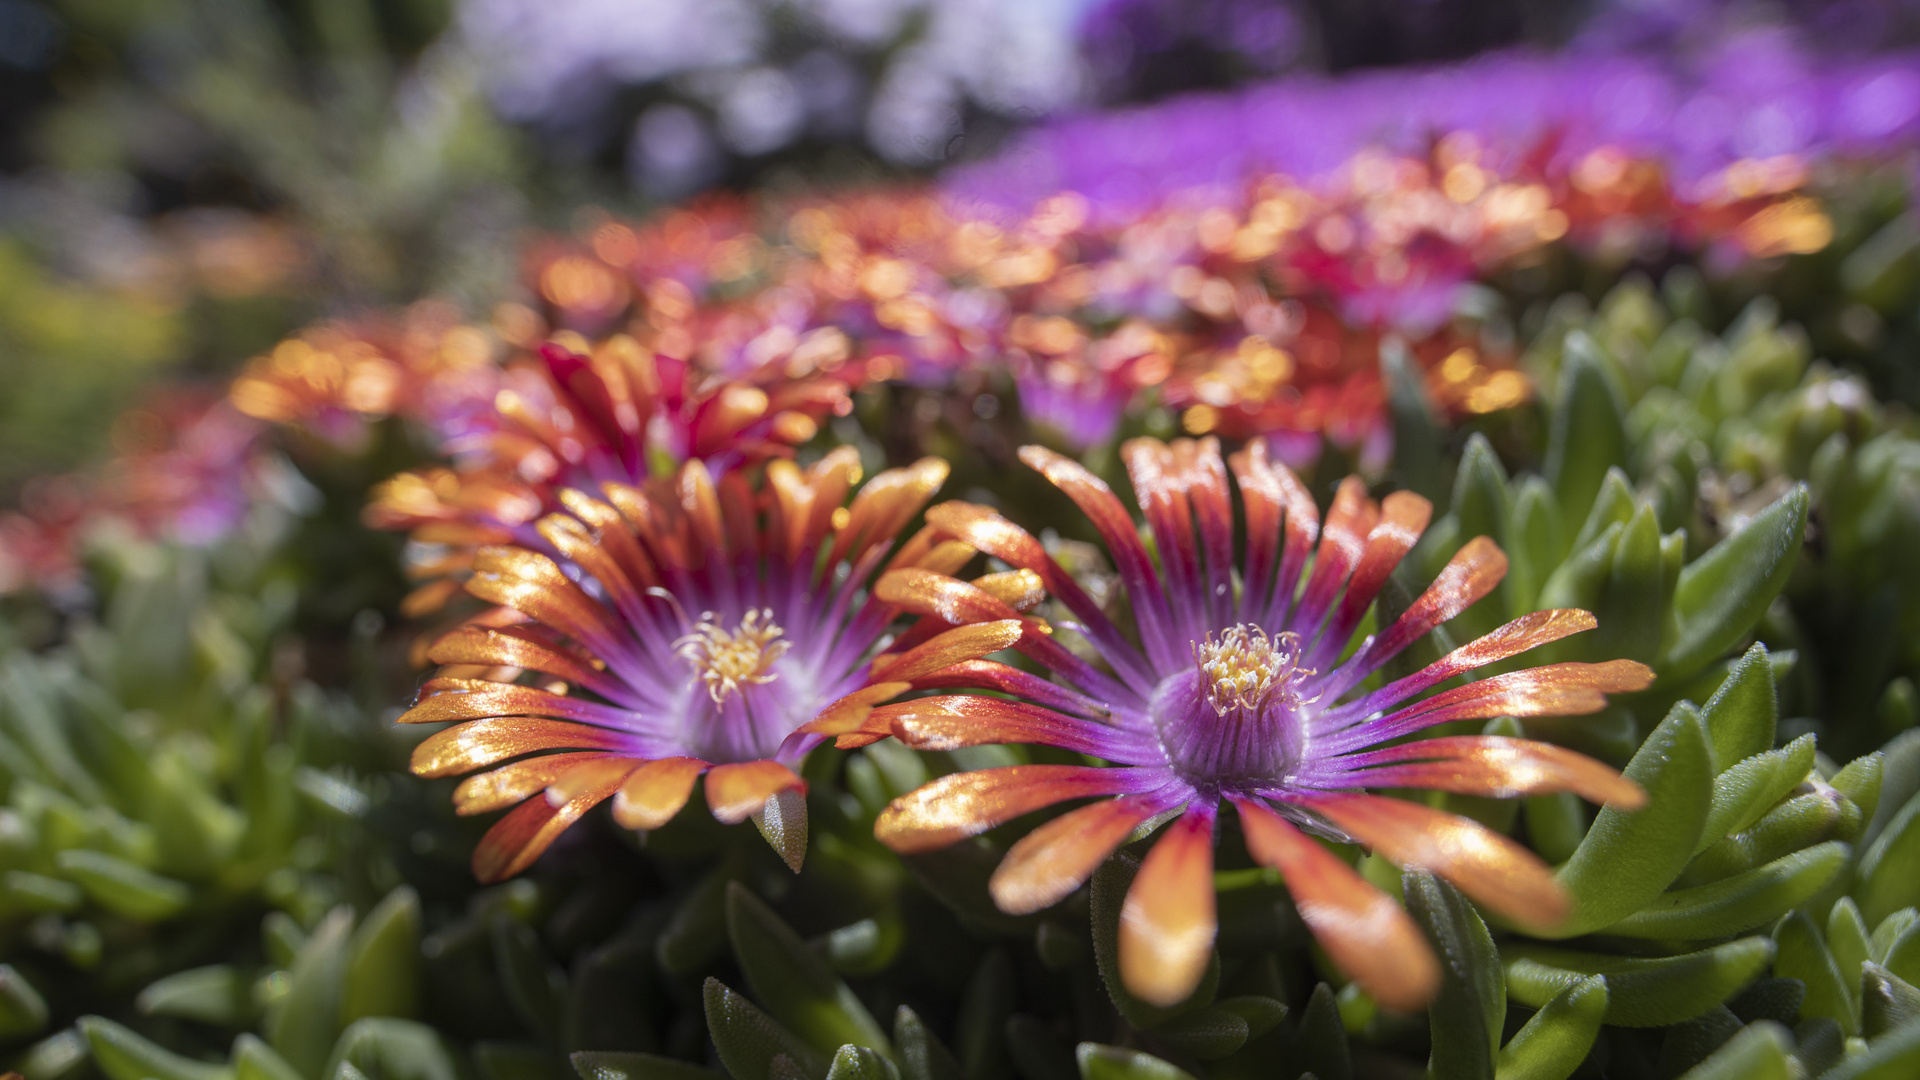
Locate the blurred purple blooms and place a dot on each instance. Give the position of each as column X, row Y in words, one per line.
column 1756, row 95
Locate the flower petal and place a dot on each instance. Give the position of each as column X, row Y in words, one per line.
column 1403, row 517
column 480, row 645
column 655, row 792
column 1569, row 689
column 850, row 713
column 1342, row 539
column 952, row 721
column 1529, row 631
column 988, row 532
column 1275, row 501
column 516, row 840
column 502, row 787
column 1160, row 487
column 736, row 791
column 1049, row 863
column 505, row 699
column 965, row 804
column 1167, row 923
column 993, row 675
column 1473, row 572
column 1110, row 518
column 1488, row 867
column 951, row 647
column 1369, row 937
column 466, row 747
column 1492, row 766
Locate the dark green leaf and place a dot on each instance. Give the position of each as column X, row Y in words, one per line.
column 383, row 960
column 388, row 1048
column 1467, row 1014
column 859, row 1063
column 1558, row 1037
column 612, row 1065
column 1742, row 713
column 1099, row 1062
column 1588, row 431
column 1722, row 594
column 221, row 994
column 123, row 1055
column 1735, row 904
column 1759, row 1052
column 1641, row 991
column 1804, row 955
column 302, row 1026
column 748, row 1039
column 794, row 983
column 23, row 1011
column 922, row 1057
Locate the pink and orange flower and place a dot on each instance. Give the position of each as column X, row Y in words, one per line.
column 1246, row 682
column 618, row 414
column 691, row 626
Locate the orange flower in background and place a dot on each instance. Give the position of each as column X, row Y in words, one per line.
column 616, row 415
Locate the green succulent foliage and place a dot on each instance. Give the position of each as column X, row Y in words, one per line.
column 1717, row 430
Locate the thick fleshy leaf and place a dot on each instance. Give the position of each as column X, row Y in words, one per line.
column 1803, row 955
column 383, row 960
column 1168, row 922
column 1630, row 857
column 1742, row 713
column 1723, row 593
column 1737, row 903
column 304, row 1023
column 748, row 1040
column 1588, row 431
column 1099, row 1062
column 627, row 1065
column 1467, row 1013
column 1641, row 991
column 1745, row 791
column 122, row 1054
column 922, row 1055
column 1367, row 935
column 1558, row 1038
column 1759, row 1052
column 1889, row 874
column 794, row 983
column 1887, row 1002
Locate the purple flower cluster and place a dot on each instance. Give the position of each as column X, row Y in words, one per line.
column 1756, row 95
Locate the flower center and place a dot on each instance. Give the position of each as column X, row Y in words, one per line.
column 1234, row 718
column 729, row 660
column 1244, row 669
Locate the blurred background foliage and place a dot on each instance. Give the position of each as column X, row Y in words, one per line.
column 209, row 844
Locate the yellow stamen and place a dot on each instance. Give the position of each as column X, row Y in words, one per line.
column 727, row 661
column 1245, row 667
